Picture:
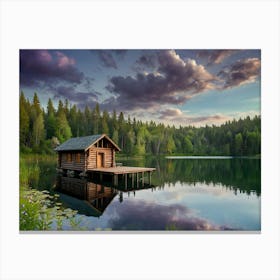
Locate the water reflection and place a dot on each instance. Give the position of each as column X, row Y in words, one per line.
column 184, row 195
column 94, row 197
column 143, row 215
column 239, row 174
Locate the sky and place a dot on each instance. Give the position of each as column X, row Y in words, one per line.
column 175, row 87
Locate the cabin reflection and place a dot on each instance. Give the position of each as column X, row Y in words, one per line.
column 88, row 198
column 91, row 198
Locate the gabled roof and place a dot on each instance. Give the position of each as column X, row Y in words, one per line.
column 83, row 143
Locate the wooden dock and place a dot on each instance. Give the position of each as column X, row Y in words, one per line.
column 135, row 174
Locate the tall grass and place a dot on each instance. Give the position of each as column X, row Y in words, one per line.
column 38, row 210
column 29, row 173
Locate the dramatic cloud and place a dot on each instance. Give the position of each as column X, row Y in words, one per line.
column 215, row 56
column 241, row 72
column 148, row 60
column 176, row 116
column 133, row 216
column 107, row 59
column 174, row 82
column 80, row 98
column 38, row 67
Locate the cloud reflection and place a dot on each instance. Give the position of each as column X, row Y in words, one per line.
column 142, row 215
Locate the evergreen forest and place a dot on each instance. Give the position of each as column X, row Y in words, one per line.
column 42, row 129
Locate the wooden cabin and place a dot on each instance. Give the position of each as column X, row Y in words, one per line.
column 87, row 153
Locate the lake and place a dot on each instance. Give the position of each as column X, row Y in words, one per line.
column 202, row 194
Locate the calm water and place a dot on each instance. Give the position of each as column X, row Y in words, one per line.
column 185, row 194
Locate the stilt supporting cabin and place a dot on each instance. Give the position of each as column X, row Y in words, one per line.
column 95, row 155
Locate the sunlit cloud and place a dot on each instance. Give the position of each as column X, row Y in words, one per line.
column 174, row 82
column 176, row 116
column 215, row 56
column 241, row 72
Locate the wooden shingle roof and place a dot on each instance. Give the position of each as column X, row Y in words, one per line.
column 83, row 143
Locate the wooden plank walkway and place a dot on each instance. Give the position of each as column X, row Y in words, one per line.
column 123, row 170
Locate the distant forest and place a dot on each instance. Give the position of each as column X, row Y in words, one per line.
column 42, row 130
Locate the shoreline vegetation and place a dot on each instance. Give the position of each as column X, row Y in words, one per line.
column 39, row 210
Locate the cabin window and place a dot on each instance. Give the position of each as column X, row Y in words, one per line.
column 78, row 158
column 69, row 157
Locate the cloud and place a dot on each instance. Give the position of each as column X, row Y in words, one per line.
column 241, row 72
column 107, row 59
column 176, row 116
column 39, row 67
column 174, row 82
column 133, row 216
column 80, row 98
column 215, row 56
column 170, row 113
column 148, row 60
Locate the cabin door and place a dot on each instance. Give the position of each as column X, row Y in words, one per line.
column 100, row 160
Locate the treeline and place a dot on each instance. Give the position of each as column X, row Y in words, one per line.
column 41, row 130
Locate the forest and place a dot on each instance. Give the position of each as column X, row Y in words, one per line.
column 42, row 129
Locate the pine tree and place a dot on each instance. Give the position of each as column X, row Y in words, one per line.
column 24, row 120
column 63, row 130
column 38, row 133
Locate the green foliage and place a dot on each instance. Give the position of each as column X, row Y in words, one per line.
column 50, row 126
column 29, row 174
column 237, row 138
column 38, row 210
column 38, row 133
column 170, row 145
column 24, row 120
column 63, row 130
column 188, row 146
column 238, row 144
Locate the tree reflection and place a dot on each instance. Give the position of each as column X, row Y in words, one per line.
column 240, row 174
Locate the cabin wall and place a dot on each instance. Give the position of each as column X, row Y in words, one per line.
column 108, row 158
column 72, row 162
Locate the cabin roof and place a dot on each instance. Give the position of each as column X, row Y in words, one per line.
column 83, row 143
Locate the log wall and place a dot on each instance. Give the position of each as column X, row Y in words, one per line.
column 72, row 165
column 92, row 157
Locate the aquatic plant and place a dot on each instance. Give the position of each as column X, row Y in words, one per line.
column 39, row 210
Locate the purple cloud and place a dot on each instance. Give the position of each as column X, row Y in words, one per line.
column 174, row 82
column 133, row 216
column 147, row 60
column 38, row 67
column 107, row 59
column 241, row 72
column 215, row 56
column 78, row 97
